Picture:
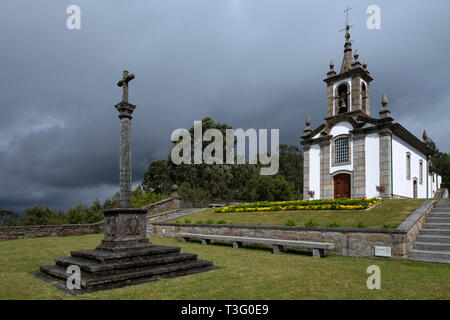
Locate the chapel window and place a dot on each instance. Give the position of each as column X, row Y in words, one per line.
column 420, row 171
column 408, row 166
column 341, row 147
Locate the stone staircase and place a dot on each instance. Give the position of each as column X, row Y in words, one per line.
column 174, row 214
column 433, row 242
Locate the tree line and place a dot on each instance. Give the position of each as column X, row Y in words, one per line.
column 228, row 181
column 43, row 215
column 202, row 181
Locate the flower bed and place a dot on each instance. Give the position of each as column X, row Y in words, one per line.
column 326, row 204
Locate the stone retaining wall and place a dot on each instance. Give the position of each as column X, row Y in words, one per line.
column 164, row 205
column 174, row 203
column 356, row 242
column 64, row 230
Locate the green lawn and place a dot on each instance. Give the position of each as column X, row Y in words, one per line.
column 389, row 212
column 245, row 274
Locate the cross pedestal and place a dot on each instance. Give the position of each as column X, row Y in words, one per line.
column 125, row 256
column 125, row 228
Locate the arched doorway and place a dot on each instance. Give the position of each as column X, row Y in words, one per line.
column 342, row 186
column 415, row 188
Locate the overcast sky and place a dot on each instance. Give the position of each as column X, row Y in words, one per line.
column 249, row 63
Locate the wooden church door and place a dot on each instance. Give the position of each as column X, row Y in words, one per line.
column 342, row 186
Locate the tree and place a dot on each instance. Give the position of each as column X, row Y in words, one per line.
column 227, row 181
column 41, row 215
column 440, row 161
column 291, row 166
column 156, row 178
column 269, row 188
column 141, row 199
column 8, row 217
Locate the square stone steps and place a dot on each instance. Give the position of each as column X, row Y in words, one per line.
column 89, row 281
column 435, row 232
column 432, row 246
column 433, row 219
column 441, row 206
column 441, row 260
column 440, row 209
column 443, row 255
column 443, row 203
column 116, row 267
column 432, row 225
column 433, row 239
column 103, row 255
column 439, row 215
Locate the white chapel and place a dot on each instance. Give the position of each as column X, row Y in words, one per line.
column 356, row 155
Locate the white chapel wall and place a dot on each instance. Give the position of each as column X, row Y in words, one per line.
column 372, row 150
column 314, row 170
column 433, row 185
column 401, row 185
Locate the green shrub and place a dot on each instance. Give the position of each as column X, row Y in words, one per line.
column 290, row 223
column 139, row 198
column 388, row 226
column 221, row 222
column 187, row 221
column 209, row 221
column 312, row 223
column 199, row 222
column 333, row 225
column 361, row 225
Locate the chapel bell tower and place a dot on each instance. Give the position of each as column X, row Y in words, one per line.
column 348, row 90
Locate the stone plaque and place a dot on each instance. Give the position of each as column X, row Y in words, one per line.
column 382, row 251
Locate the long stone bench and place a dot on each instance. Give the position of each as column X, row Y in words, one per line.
column 318, row 248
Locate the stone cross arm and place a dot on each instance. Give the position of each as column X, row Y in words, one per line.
column 124, row 83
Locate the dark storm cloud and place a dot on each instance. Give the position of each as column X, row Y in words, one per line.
column 249, row 63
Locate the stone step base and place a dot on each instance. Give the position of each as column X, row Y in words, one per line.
column 432, row 239
column 103, row 256
column 102, row 269
column 442, row 204
column 432, row 246
column 92, row 266
column 430, row 259
column 433, row 219
column 441, row 209
column 440, row 226
column 439, row 215
column 435, row 232
column 418, row 254
column 91, row 281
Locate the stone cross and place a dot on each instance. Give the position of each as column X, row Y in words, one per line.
column 125, row 110
column 124, row 83
column 347, row 26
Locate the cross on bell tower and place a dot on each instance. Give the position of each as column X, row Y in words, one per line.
column 348, row 90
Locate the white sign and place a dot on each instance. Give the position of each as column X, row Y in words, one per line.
column 382, row 251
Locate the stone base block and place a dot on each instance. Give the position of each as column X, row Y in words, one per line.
column 102, row 269
column 318, row 253
column 237, row 245
column 276, row 249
